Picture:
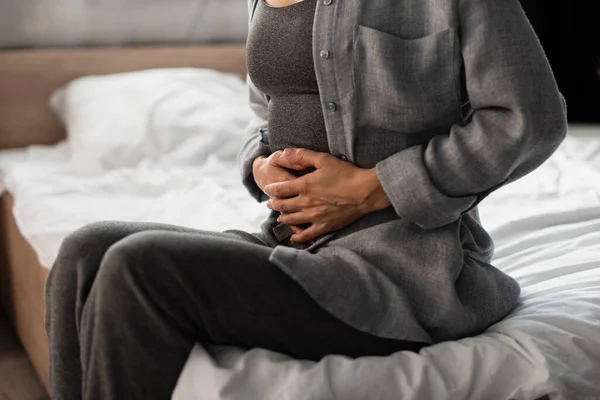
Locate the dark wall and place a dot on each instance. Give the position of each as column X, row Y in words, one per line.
column 570, row 34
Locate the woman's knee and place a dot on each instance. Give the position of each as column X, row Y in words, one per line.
column 94, row 234
column 79, row 255
column 71, row 268
column 127, row 260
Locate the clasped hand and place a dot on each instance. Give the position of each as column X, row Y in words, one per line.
column 334, row 195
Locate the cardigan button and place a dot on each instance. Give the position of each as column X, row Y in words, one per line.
column 327, row 2
column 343, row 158
column 324, row 54
column 331, row 106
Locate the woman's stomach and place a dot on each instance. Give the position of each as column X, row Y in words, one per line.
column 297, row 121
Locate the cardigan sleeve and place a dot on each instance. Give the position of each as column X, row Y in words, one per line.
column 256, row 143
column 518, row 121
column 256, row 132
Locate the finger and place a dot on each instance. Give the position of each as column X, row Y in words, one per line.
column 284, row 176
column 280, row 161
column 290, row 205
column 287, row 188
column 298, row 158
column 284, row 205
column 296, row 218
column 308, row 234
column 296, row 229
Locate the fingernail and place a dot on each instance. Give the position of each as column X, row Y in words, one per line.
column 288, row 152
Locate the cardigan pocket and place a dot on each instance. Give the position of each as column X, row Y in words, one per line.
column 406, row 85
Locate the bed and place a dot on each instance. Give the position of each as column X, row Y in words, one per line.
column 27, row 79
column 546, row 227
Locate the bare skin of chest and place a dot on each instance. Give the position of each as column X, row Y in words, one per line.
column 282, row 3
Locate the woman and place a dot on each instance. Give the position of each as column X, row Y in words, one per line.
column 398, row 118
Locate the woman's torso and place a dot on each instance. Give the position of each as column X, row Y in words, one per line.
column 280, row 64
column 393, row 79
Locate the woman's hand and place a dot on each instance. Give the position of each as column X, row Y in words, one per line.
column 336, row 194
column 266, row 172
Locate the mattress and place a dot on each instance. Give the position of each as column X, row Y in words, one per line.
column 546, row 227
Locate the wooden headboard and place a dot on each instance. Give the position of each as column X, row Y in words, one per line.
column 28, row 77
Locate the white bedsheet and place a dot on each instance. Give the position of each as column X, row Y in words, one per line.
column 547, row 230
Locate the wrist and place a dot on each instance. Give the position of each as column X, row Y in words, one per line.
column 374, row 197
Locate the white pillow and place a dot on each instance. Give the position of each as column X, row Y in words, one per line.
column 165, row 116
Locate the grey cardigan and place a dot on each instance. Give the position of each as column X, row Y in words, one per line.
column 448, row 100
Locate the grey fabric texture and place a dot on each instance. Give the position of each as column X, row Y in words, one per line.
column 125, row 303
column 448, row 100
column 279, row 58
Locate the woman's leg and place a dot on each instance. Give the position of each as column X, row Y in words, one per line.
column 67, row 288
column 157, row 293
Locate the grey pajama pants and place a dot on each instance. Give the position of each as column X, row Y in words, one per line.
column 126, row 302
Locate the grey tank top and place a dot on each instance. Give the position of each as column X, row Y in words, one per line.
column 280, row 63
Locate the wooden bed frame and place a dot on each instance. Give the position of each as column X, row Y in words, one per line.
column 27, row 78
